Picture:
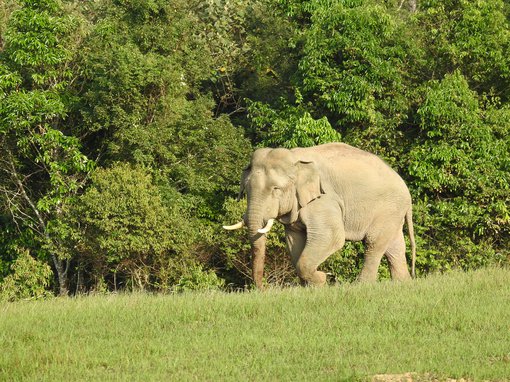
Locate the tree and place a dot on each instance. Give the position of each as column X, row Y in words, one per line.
column 29, row 279
column 470, row 36
column 171, row 93
column 146, row 74
column 42, row 166
column 291, row 127
column 125, row 226
column 460, row 165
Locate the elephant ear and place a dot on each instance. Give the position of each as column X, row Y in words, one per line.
column 244, row 179
column 308, row 185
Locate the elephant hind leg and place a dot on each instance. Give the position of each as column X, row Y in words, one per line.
column 396, row 255
column 376, row 246
column 372, row 260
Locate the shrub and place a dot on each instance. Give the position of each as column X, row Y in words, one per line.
column 29, row 279
column 125, row 224
column 198, row 279
column 459, row 167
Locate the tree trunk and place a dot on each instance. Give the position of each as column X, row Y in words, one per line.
column 61, row 269
column 80, row 287
column 412, row 6
column 41, row 230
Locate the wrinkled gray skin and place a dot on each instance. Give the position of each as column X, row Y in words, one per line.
column 325, row 195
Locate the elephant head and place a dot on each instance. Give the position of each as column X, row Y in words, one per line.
column 277, row 184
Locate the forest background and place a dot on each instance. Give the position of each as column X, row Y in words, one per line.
column 125, row 125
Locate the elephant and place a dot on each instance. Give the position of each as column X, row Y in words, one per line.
column 325, row 195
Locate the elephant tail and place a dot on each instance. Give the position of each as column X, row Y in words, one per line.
column 410, row 229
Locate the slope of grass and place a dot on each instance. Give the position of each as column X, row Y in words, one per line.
column 455, row 325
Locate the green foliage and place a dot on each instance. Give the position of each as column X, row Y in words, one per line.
column 196, row 279
column 125, row 221
column 344, row 42
column 7, row 237
column 165, row 94
column 6, row 8
column 353, row 68
column 345, row 265
column 43, row 164
column 166, row 122
column 291, row 127
column 126, row 208
column 269, row 61
column 472, row 36
column 453, row 136
column 30, row 279
column 460, row 168
column 35, row 40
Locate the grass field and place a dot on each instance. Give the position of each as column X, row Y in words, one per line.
column 450, row 326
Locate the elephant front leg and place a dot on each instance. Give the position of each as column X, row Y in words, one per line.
column 324, row 235
column 296, row 240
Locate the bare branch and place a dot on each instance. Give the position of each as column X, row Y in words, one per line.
column 24, row 194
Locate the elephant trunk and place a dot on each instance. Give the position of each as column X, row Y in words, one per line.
column 258, row 245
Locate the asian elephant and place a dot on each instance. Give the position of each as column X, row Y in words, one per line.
column 325, row 195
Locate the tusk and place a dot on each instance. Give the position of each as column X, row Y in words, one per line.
column 234, row 226
column 267, row 228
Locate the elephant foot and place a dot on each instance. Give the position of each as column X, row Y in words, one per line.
column 367, row 277
column 362, row 280
column 400, row 275
column 319, row 278
column 315, row 278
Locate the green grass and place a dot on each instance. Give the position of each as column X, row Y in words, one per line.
column 455, row 325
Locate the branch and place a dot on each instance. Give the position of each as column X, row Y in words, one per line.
column 16, row 212
column 24, row 194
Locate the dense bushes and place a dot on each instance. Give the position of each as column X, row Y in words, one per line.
column 459, row 170
column 124, row 127
column 29, row 278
